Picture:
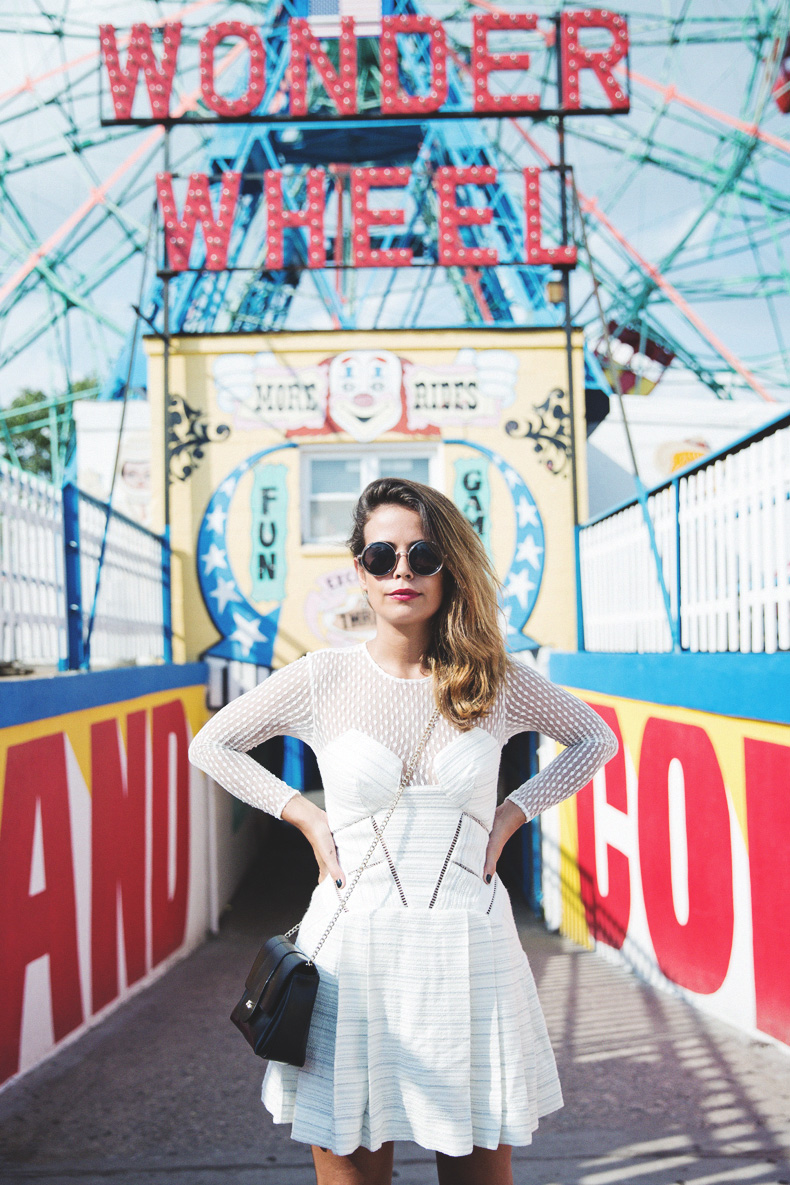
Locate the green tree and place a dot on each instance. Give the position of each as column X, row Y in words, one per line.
column 29, row 433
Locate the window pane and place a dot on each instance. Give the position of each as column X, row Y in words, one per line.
column 335, row 476
column 330, row 520
column 410, row 468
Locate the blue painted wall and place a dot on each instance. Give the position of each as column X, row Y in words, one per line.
column 25, row 700
column 749, row 686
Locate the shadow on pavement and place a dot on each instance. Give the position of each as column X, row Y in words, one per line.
column 165, row 1089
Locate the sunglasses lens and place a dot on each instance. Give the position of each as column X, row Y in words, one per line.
column 424, row 559
column 379, row 558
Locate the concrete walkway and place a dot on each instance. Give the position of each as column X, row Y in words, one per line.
column 165, row 1091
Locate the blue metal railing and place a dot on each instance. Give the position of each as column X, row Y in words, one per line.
column 118, row 587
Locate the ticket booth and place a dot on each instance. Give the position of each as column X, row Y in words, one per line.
column 272, row 439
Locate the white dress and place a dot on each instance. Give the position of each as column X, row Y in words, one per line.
column 427, row 1025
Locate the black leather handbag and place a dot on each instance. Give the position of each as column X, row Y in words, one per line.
column 276, row 1006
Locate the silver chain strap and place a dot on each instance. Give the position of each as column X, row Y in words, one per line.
column 406, row 777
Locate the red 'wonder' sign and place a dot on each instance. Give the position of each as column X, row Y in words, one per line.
column 469, row 92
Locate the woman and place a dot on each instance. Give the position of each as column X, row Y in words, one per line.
column 427, row 1025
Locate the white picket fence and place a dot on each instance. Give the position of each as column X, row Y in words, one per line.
column 128, row 618
column 32, row 591
column 131, row 619
column 723, row 535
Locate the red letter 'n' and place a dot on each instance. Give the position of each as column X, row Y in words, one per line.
column 118, row 854
column 340, row 84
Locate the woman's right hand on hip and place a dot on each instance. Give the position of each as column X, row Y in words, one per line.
column 313, row 824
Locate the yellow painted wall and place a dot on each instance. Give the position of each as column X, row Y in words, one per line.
column 540, row 368
column 90, row 817
column 700, row 903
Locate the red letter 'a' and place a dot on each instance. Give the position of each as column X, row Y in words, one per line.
column 118, row 854
column 123, row 80
column 607, row 916
column 768, row 823
column 169, row 885
column 179, row 233
column 44, row 922
column 341, row 84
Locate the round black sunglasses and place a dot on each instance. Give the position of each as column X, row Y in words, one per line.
column 381, row 558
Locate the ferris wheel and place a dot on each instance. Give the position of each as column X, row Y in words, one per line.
column 681, row 207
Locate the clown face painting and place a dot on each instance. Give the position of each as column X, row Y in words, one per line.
column 365, row 396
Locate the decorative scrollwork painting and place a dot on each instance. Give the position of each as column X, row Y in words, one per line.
column 550, row 429
column 188, row 432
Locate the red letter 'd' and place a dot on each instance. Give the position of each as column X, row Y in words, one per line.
column 485, row 63
column 197, row 208
column 117, row 854
column 361, row 181
column 607, row 915
column 208, row 45
column 169, row 910
column 341, row 88
column 536, row 253
column 451, row 250
column 768, row 824
column 575, row 57
column 394, row 101
column 44, row 921
column 123, row 81
column 694, row 954
column 311, row 217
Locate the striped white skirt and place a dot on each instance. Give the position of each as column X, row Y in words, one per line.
column 427, row 1025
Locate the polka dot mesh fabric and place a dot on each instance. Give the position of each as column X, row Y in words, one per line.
column 328, row 692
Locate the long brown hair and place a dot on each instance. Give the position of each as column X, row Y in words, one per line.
column 466, row 652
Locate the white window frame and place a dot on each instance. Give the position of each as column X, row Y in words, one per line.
column 368, row 455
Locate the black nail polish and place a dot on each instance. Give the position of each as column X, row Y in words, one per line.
column 339, row 883
column 488, row 878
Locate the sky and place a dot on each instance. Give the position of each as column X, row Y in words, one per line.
column 703, row 201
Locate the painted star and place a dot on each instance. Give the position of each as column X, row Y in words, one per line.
column 228, row 486
column 246, row 632
column 224, row 591
column 510, row 628
column 511, row 477
column 215, row 521
column 529, row 552
column 215, row 557
column 527, row 513
column 520, row 586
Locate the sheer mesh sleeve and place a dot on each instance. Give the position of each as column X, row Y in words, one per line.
column 280, row 706
column 535, row 704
